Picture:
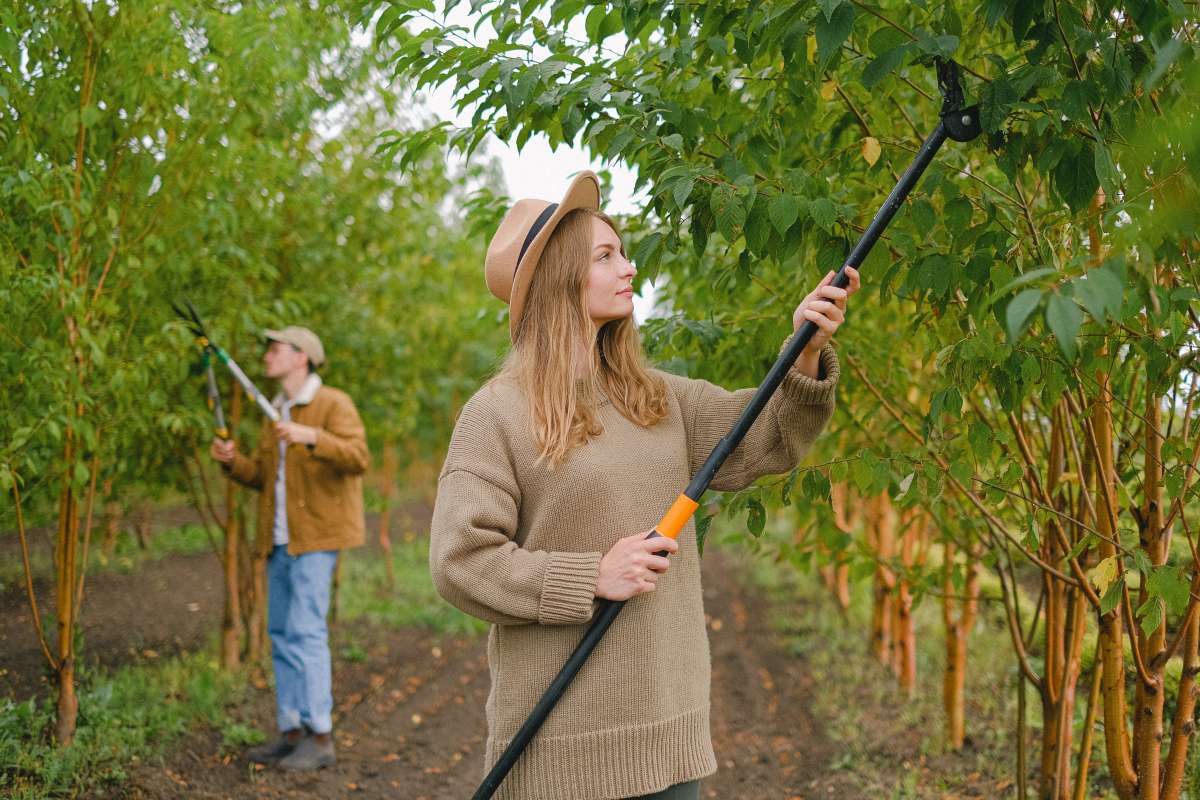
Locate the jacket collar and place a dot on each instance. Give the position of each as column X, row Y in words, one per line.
column 306, row 394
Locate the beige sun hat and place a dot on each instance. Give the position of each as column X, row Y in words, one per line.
column 302, row 339
column 515, row 249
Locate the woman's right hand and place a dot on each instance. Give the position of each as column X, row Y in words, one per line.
column 631, row 567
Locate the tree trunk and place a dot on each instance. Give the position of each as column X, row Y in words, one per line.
column 1184, row 723
column 881, row 536
column 111, row 519
column 256, row 622
column 231, row 620
column 1148, row 700
column 904, row 635
column 385, row 515
column 836, row 575
column 141, row 524
column 65, row 573
column 335, row 592
column 1089, row 725
column 1066, row 623
column 958, row 615
column 1112, row 633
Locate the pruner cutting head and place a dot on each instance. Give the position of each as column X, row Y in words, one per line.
column 191, row 319
column 962, row 124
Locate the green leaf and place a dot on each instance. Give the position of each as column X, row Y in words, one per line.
column 823, row 213
column 756, row 516
column 1018, row 311
column 832, row 32
column 1101, row 293
column 862, row 471
column 1064, row 318
column 1076, row 97
column 1023, row 13
column 839, row 471
column 942, row 46
column 1106, row 169
column 1149, row 615
column 703, row 525
column 1021, row 280
column 1075, row 177
column 683, row 190
column 884, row 65
column 1168, row 583
column 1112, row 597
column 727, row 210
column 602, row 23
column 829, row 6
column 646, row 252
column 996, row 100
column 1141, row 562
column 963, row 473
column 924, row 217
column 815, row 486
column 980, row 437
column 784, row 210
column 957, row 215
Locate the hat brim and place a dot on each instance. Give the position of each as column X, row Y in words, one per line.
column 270, row 335
column 584, row 192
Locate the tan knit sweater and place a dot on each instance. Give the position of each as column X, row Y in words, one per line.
column 519, row 546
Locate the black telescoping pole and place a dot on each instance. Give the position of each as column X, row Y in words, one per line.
column 609, row 609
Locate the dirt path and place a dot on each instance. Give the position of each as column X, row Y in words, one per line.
column 410, row 720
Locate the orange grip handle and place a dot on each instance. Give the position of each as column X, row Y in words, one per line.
column 678, row 515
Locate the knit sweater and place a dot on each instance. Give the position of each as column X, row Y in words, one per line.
column 519, row 545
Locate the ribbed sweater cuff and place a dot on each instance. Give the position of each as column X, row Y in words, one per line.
column 813, row 391
column 568, row 588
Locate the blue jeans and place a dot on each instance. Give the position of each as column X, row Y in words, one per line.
column 297, row 604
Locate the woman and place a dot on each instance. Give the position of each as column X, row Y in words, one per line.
column 558, row 469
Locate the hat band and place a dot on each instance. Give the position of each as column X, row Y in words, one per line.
column 538, row 224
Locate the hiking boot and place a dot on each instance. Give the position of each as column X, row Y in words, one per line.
column 281, row 747
column 313, row 752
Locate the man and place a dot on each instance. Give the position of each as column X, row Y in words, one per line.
column 308, row 468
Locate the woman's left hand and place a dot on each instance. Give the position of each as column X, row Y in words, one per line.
column 825, row 306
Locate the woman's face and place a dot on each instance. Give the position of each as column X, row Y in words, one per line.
column 610, row 276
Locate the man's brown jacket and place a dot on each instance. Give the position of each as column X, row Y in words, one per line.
column 324, row 480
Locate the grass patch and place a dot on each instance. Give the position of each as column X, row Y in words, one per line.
column 411, row 602
column 125, row 718
column 891, row 745
column 127, row 555
column 136, row 713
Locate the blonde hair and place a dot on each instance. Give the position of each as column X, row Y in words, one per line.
column 546, row 357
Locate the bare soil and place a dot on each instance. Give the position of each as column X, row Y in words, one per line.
column 409, row 717
column 409, row 702
column 409, row 720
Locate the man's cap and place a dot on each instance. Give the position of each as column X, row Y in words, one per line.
column 302, row 339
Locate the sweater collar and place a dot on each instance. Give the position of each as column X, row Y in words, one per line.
column 306, row 394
